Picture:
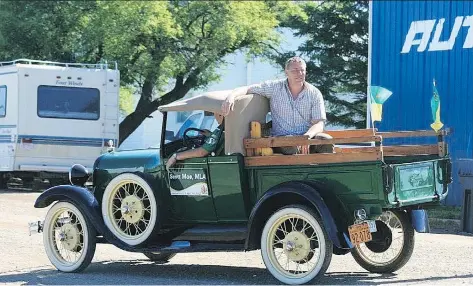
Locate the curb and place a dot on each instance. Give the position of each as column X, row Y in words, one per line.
column 446, row 225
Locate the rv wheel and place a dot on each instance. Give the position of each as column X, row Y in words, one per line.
column 129, row 209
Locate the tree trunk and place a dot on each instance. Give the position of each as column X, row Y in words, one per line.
column 143, row 110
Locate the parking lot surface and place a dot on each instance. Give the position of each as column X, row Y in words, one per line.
column 438, row 259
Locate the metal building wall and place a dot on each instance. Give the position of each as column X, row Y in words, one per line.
column 409, row 75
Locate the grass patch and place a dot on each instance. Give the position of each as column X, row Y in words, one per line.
column 445, row 212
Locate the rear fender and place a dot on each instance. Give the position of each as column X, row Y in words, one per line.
column 85, row 201
column 290, row 193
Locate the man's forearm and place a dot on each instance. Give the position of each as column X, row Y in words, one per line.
column 194, row 153
column 238, row 92
column 314, row 129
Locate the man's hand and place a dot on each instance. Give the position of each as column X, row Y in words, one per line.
column 205, row 132
column 172, row 160
column 304, row 149
column 227, row 105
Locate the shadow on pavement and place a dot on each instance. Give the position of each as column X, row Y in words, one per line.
column 144, row 272
column 21, row 191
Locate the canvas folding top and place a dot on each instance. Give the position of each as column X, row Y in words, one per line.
column 237, row 124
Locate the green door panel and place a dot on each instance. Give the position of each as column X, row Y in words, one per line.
column 191, row 196
column 227, row 180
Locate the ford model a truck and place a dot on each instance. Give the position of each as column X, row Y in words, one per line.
column 53, row 115
column 298, row 209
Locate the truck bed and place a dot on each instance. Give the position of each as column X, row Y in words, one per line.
column 372, row 175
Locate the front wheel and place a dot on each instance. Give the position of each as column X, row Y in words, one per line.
column 69, row 238
column 295, row 246
column 392, row 244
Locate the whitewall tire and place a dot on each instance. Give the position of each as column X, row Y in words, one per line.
column 295, row 246
column 129, row 209
column 69, row 238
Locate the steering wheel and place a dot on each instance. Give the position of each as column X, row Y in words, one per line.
column 193, row 142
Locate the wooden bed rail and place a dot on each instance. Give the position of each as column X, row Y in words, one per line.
column 260, row 153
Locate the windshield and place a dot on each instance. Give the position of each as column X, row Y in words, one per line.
column 178, row 122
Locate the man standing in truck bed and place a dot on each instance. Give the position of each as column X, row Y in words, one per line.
column 297, row 107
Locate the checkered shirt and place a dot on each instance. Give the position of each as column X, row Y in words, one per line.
column 291, row 116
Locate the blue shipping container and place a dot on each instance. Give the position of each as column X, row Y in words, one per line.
column 411, row 44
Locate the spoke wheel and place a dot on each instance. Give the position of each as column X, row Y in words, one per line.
column 129, row 209
column 295, row 246
column 69, row 238
column 391, row 247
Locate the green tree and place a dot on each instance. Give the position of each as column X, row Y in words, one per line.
column 336, row 50
column 164, row 49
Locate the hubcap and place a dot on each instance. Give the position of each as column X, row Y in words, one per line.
column 69, row 237
column 297, row 246
column 132, row 209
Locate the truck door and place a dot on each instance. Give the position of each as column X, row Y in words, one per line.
column 8, row 119
column 191, row 196
column 229, row 188
column 188, row 181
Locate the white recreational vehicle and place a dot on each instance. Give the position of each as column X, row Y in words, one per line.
column 54, row 115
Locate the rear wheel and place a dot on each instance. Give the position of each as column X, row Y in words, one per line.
column 159, row 257
column 392, row 244
column 69, row 238
column 295, row 246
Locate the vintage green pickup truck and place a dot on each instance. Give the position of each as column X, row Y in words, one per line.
column 366, row 198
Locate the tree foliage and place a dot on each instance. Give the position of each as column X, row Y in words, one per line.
column 336, row 51
column 164, row 48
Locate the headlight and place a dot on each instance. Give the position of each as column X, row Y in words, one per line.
column 78, row 175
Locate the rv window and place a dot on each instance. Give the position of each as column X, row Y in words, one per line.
column 68, row 102
column 3, row 101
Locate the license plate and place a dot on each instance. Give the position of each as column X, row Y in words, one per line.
column 359, row 233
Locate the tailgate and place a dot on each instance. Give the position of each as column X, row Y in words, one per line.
column 418, row 182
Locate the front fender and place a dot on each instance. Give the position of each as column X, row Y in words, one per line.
column 86, row 202
column 289, row 193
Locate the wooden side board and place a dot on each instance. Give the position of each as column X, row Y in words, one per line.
column 350, row 133
column 406, row 150
column 367, row 149
column 301, row 140
column 311, row 159
column 418, row 133
column 342, row 153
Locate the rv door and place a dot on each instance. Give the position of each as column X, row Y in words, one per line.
column 8, row 119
